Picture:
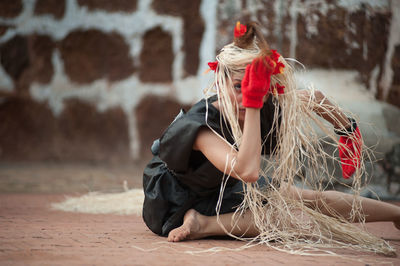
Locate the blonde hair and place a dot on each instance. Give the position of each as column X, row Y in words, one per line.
column 300, row 156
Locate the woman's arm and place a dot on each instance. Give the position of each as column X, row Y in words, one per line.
column 245, row 163
column 221, row 154
column 329, row 111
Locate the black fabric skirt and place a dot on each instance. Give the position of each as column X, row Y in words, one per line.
column 167, row 200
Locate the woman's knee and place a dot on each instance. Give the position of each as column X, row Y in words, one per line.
column 328, row 199
column 302, row 194
column 320, row 199
column 315, row 199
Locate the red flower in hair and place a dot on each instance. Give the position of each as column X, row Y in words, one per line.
column 278, row 68
column 278, row 89
column 213, row 65
column 240, row 30
column 275, row 55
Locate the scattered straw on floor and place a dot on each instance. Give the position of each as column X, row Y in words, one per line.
column 124, row 203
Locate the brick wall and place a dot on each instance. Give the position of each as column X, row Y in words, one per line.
column 99, row 80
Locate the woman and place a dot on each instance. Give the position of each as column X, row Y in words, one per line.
column 214, row 173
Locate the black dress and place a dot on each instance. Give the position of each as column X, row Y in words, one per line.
column 179, row 178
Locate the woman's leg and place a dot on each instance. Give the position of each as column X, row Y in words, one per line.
column 197, row 226
column 341, row 203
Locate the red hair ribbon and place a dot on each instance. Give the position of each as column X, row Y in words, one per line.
column 239, row 30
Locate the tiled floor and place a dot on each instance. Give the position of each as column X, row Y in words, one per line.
column 31, row 233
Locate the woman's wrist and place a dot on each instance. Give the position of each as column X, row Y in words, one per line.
column 347, row 128
column 252, row 110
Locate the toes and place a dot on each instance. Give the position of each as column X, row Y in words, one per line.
column 178, row 234
column 171, row 236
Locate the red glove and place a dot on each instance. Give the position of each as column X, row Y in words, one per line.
column 256, row 82
column 350, row 152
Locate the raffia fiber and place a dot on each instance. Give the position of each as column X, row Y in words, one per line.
column 124, row 203
column 300, row 157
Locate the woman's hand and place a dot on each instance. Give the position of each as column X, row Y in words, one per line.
column 350, row 143
column 350, row 146
column 256, row 82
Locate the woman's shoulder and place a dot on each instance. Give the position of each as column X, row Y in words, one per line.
column 199, row 114
column 176, row 142
column 204, row 106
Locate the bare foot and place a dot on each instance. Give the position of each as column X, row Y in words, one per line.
column 190, row 229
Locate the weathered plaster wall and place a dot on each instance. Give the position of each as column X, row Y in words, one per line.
column 99, row 80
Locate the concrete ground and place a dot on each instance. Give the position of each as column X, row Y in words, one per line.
column 31, row 233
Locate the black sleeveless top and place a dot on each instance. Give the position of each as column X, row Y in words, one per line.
column 179, row 178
